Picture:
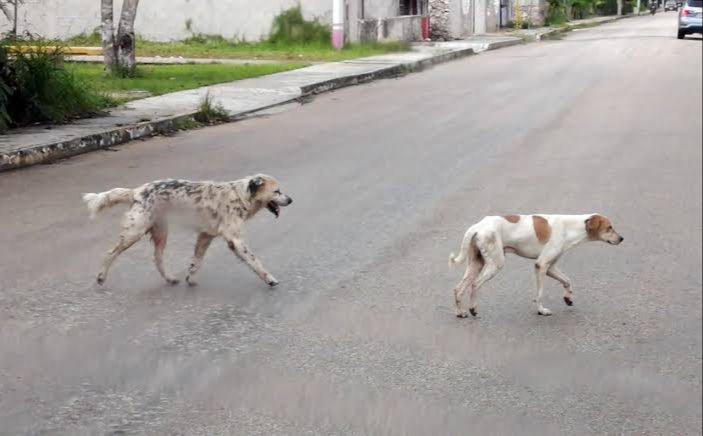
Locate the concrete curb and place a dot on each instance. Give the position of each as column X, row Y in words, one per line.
column 386, row 73
column 571, row 27
column 48, row 153
column 503, row 44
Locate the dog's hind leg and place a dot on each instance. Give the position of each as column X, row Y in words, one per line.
column 542, row 266
column 472, row 270
column 494, row 260
column 201, row 246
column 134, row 227
column 159, row 236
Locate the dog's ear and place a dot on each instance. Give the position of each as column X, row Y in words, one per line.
column 255, row 184
column 593, row 225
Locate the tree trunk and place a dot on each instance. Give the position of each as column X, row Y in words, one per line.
column 126, row 39
column 619, row 7
column 108, row 35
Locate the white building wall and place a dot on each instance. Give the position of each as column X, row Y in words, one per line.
column 165, row 20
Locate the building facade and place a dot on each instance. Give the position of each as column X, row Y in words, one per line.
column 457, row 19
column 245, row 20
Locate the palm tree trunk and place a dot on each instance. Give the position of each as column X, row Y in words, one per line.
column 108, row 35
column 126, row 38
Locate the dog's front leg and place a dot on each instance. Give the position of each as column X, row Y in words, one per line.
column 242, row 251
column 555, row 273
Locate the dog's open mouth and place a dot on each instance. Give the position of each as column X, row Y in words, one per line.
column 274, row 208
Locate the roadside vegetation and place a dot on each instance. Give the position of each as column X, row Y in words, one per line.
column 162, row 79
column 38, row 86
column 209, row 113
column 560, row 12
column 292, row 38
column 35, row 87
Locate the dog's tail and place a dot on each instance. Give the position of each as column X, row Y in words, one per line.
column 465, row 252
column 97, row 202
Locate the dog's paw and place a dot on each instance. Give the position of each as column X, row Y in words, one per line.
column 462, row 314
column 569, row 302
column 271, row 281
column 473, row 312
column 544, row 312
column 173, row 282
column 191, row 282
column 100, row 279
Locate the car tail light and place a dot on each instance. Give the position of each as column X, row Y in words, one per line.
column 687, row 12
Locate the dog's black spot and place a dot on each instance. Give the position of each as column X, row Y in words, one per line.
column 255, row 184
column 198, row 199
column 146, row 193
column 192, row 189
column 568, row 301
column 170, row 184
column 230, row 244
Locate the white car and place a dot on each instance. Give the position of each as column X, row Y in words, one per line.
column 691, row 18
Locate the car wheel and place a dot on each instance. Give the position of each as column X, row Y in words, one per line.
column 682, row 34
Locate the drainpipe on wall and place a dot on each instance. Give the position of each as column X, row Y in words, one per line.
column 338, row 24
column 14, row 25
column 425, row 23
column 500, row 14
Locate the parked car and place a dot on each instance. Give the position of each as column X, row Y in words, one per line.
column 691, row 18
column 671, row 5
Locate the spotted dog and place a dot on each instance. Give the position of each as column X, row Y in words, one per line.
column 215, row 208
column 544, row 238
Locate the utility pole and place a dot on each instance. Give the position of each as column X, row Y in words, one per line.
column 639, row 6
column 338, row 24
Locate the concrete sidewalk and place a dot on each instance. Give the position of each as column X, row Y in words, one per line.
column 163, row 114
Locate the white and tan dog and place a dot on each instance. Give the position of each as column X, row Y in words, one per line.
column 215, row 208
column 544, row 238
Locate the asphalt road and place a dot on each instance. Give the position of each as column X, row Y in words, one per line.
column 360, row 338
